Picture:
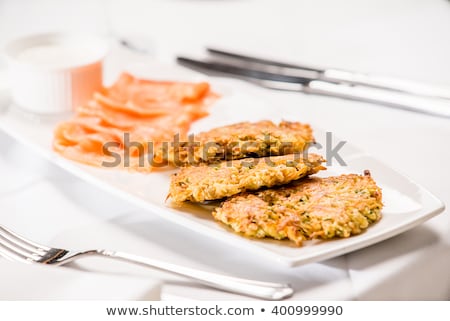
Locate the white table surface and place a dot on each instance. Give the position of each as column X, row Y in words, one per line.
column 408, row 38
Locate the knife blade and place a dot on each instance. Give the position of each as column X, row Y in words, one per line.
column 241, row 71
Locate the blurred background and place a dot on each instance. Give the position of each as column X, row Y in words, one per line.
column 403, row 38
column 383, row 36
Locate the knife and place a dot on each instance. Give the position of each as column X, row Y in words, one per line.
column 341, row 76
column 270, row 78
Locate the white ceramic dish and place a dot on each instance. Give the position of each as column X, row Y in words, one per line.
column 53, row 73
column 406, row 203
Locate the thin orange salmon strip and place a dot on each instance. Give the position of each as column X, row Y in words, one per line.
column 148, row 111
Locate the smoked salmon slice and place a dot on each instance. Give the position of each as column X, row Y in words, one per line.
column 122, row 125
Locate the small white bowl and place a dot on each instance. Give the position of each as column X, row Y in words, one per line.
column 53, row 73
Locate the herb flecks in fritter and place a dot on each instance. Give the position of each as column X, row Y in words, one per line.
column 310, row 208
column 203, row 183
column 241, row 140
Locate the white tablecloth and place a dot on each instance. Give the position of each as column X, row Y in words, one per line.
column 403, row 38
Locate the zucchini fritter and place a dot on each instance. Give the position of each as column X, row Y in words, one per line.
column 203, row 182
column 241, row 140
column 310, row 208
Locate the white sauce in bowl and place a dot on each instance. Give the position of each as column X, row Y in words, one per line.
column 54, row 73
column 54, row 55
column 59, row 54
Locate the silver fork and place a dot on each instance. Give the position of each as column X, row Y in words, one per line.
column 18, row 248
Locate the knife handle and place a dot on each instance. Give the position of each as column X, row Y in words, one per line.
column 383, row 82
column 437, row 107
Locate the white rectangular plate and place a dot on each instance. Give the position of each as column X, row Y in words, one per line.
column 406, row 203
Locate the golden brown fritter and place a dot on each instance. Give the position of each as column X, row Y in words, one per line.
column 310, row 208
column 237, row 141
column 202, row 183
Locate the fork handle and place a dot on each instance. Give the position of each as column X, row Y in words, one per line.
column 258, row 289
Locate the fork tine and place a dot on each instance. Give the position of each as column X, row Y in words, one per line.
column 25, row 243
column 15, row 247
column 19, row 248
column 12, row 255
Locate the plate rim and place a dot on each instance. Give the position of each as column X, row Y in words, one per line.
column 79, row 170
